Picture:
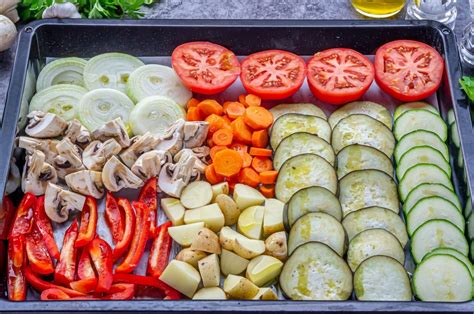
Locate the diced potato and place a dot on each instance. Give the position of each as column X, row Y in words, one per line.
column 228, row 208
column 206, row 241
column 238, row 287
column 266, row 294
column 185, row 234
column 227, row 238
column 220, row 188
column 273, row 217
column 276, row 245
column 210, row 271
column 232, row 263
column 182, row 277
column 211, row 293
column 190, row 256
column 196, row 194
column 246, row 196
column 174, row 210
column 250, row 222
column 263, row 269
column 211, row 215
column 248, row 248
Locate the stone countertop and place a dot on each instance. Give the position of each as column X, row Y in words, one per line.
column 242, row 9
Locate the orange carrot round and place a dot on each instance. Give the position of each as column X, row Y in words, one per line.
column 261, row 152
column 239, row 147
column 193, row 102
column 249, row 177
column 268, row 177
column 211, row 176
column 234, row 110
column 253, row 100
column 261, row 164
column 242, row 100
column 258, row 118
column 215, row 149
column 260, row 139
column 215, row 123
column 267, row 190
column 210, row 106
column 242, row 133
column 247, row 159
column 193, row 114
column 227, row 162
column 222, row 137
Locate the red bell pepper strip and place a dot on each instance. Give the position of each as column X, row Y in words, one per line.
column 140, row 237
column 129, row 226
column 88, row 222
column 23, row 221
column 148, row 196
column 114, row 219
column 101, row 256
column 44, row 227
column 66, row 267
column 37, row 253
column 120, row 291
column 160, row 251
column 84, row 285
column 40, row 285
column 85, row 270
column 170, row 293
column 7, row 210
column 16, row 264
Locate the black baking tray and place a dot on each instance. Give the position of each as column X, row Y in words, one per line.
column 47, row 39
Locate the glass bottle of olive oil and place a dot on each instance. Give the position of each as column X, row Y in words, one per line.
column 378, row 8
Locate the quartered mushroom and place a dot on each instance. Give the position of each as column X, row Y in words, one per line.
column 46, row 146
column 139, row 144
column 14, row 178
column 195, row 133
column 149, row 164
column 86, row 182
column 174, row 177
column 117, row 176
column 113, row 129
column 173, row 139
column 202, row 153
column 77, row 133
column 96, row 154
column 37, row 174
column 60, row 203
column 44, row 125
column 188, row 153
column 69, row 158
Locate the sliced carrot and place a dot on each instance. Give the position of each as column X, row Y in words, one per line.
column 242, row 100
column 261, row 152
column 193, row 114
column 226, row 118
column 267, row 190
column 227, row 162
column 210, row 106
column 216, row 122
column 261, row 164
column 258, row 118
column 193, row 102
column 234, row 110
column 260, row 139
column 247, row 159
column 253, row 100
column 222, row 137
column 211, row 176
column 215, row 149
column 242, row 133
column 268, row 177
column 239, row 147
column 210, row 142
column 249, row 177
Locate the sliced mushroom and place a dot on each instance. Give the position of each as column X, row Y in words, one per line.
column 59, row 203
column 86, row 182
column 173, row 139
column 149, row 164
column 47, row 147
column 14, row 178
column 96, row 154
column 140, row 144
column 37, row 174
column 113, row 129
column 195, row 133
column 69, row 159
column 188, row 153
column 44, row 125
column 117, row 176
column 77, row 133
column 174, row 177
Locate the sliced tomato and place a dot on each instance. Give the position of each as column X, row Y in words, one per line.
column 339, row 75
column 408, row 70
column 273, row 74
column 204, row 67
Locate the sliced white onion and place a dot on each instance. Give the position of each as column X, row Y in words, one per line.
column 62, row 71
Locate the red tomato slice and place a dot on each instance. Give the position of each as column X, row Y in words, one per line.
column 339, row 75
column 408, row 70
column 204, row 67
column 273, row 74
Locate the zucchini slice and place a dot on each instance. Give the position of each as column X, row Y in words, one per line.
column 419, row 119
column 460, row 159
column 301, row 108
column 375, row 218
column 371, row 109
column 312, row 200
column 360, row 157
column 367, row 188
column 303, row 171
column 318, row 227
column 453, row 129
column 382, row 278
column 430, row 189
column 422, row 155
column 420, row 138
column 434, row 234
column 373, row 242
column 362, row 129
column 315, row 272
column 422, row 173
column 411, row 106
column 455, row 253
column 470, row 227
column 468, row 208
column 451, row 117
column 293, row 123
column 433, row 207
column 442, row 278
column 302, row 143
